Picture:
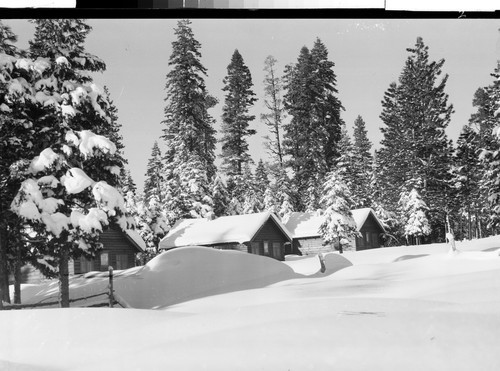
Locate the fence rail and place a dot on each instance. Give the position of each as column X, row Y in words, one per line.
column 112, row 299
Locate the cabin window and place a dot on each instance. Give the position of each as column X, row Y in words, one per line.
column 255, row 247
column 104, row 260
column 266, row 248
column 121, row 261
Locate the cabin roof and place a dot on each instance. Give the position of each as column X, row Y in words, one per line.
column 226, row 229
column 135, row 238
column 303, row 225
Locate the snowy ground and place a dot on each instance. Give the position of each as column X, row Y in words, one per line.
column 405, row 308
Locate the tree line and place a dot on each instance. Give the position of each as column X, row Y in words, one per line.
column 63, row 174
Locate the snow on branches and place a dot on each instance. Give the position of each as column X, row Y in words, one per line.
column 414, row 211
column 338, row 222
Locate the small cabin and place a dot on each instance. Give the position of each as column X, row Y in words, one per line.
column 259, row 233
column 304, row 228
column 119, row 251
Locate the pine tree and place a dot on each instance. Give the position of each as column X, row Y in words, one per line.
column 483, row 122
column 56, row 93
column 261, row 180
column 195, row 185
column 14, row 146
column 56, row 38
column 312, row 135
column 64, row 198
column 362, row 161
column 338, row 225
column 153, row 184
column 345, row 163
column 252, row 196
column 284, row 195
column 188, row 133
column 489, row 134
column 414, row 210
column 152, row 223
column 235, row 117
column 392, row 158
column 220, row 196
column 8, row 40
column 273, row 87
column 416, row 113
column 466, row 178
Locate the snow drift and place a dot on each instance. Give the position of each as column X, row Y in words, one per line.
column 192, row 272
column 403, row 308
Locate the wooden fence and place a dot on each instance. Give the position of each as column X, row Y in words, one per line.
column 111, row 299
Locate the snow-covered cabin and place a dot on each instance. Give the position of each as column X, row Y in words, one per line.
column 304, row 228
column 259, row 233
column 119, row 251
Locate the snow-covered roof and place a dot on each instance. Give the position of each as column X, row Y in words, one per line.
column 360, row 216
column 226, row 229
column 136, row 238
column 302, row 225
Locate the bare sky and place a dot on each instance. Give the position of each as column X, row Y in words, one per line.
column 368, row 56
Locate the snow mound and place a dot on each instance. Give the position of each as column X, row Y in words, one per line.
column 311, row 265
column 193, row 272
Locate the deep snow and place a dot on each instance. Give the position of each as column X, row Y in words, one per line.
column 403, row 308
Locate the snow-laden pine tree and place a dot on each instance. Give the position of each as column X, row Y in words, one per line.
column 362, row 163
column 64, row 197
column 415, row 114
column 338, row 227
column 220, row 196
column 236, row 119
column 273, row 87
column 488, row 123
column 466, row 177
column 416, row 223
column 195, row 191
column 14, row 145
column 189, row 135
column 152, row 221
column 152, row 224
column 253, row 194
column 311, row 136
column 261, row 180
column 153, row 184
column 53, row 88
column 278, row 196
column 345, row 162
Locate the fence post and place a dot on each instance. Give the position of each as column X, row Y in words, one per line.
column 111, row 297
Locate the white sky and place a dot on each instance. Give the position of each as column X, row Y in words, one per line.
column 368, row 56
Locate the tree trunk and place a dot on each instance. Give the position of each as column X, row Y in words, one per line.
column 469, row 222
column 4, row 271
column 63, row 280
column 17, row 278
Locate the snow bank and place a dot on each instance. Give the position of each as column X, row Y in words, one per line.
column 433, row 312
column 311, row 265
column 192, row 272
